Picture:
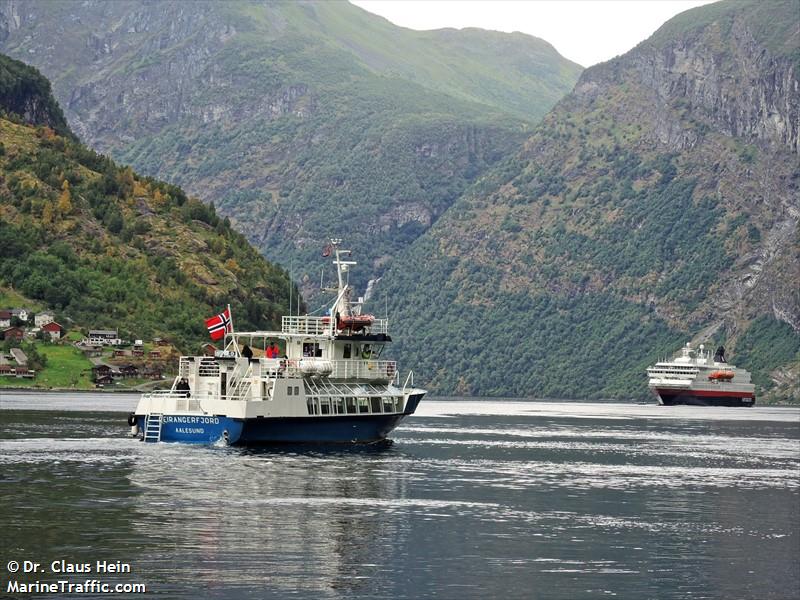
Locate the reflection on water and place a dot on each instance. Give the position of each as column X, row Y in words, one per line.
column 471, row 500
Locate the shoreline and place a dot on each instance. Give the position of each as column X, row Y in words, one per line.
column 601, row 401
column 59, row 390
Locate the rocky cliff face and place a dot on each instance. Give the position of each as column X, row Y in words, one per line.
column 721, row 74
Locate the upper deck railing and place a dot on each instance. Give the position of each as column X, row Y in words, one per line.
column 305, row 325
column 370, row 370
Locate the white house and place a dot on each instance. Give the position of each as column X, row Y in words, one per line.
column 54, row 330
column 20, row 313
column 104, row 337
column 5, row 319
column 43, row 318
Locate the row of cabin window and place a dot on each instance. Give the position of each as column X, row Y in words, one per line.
column 337, row 406
column 365, row 351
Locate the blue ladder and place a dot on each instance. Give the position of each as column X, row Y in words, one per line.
column 152, row 428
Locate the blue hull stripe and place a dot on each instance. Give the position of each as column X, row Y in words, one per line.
column 333, row 429
column 339, row 429
column 196, row 429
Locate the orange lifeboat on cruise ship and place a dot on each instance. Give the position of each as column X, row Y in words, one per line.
column 721, row 375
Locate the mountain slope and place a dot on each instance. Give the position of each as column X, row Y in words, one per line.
column 299, row 120
column 108, row 248
column 657, row 202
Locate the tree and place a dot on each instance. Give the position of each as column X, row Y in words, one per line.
column 65, row 200
column 47, row 213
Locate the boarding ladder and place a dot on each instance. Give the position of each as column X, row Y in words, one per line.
column 152, row 427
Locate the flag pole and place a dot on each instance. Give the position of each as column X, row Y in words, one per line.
column 233, row 338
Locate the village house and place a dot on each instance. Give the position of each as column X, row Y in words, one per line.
column 102, row 374
column 24, row 372
column 43, row 318
column 208, row 349
column 20, row 313
column 92, row 351
column 129, row 371
column 138, row 352
column 155, row 354
column 5, row 319
column 103, row 379
column 12, row 333
column 53, row 329
column 153, row 372
column 104, row 337
column 6, row 371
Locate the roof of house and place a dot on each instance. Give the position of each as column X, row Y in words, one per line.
column 19, row 355
column 52, row 326
column 103, row 332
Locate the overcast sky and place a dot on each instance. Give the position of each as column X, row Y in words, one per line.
column 585, row 31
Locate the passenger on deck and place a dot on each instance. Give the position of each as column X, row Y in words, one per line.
column 183, row 386
column 247, row 352
column 273, row 351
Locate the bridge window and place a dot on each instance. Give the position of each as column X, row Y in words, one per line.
column 313, row 409
column 376, row 404
column 351, row 405
column 363, row 405
column 325, row 406
column 338, row 406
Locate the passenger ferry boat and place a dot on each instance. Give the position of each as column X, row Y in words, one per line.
column 693, row 377
column 329, row 385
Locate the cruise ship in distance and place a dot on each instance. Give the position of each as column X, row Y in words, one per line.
column 694, row 377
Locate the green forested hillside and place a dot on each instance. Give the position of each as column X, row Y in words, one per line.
column 109, row 248
column 299, row 120
column 26, row 93
column 656, row 204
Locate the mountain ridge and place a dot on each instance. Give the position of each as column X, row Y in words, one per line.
column 279, row 112
column 633, row 218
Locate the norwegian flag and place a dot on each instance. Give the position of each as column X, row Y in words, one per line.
column 219, row 325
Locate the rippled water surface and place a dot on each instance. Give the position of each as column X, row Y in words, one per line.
column 472, row 499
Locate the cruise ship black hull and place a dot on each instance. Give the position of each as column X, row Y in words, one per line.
column 704, row 398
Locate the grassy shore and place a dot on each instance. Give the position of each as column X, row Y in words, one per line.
column 66, row 367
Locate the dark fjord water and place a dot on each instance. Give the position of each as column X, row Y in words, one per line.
column 472, row 499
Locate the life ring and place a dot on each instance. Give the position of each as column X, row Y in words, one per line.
column 132, row 419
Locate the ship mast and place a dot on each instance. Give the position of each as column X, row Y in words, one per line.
column 341, row 306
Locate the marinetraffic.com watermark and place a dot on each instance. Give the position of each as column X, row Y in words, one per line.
column 29, row 577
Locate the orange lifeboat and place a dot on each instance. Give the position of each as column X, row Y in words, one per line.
column 354, row 322
column 721, row 375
